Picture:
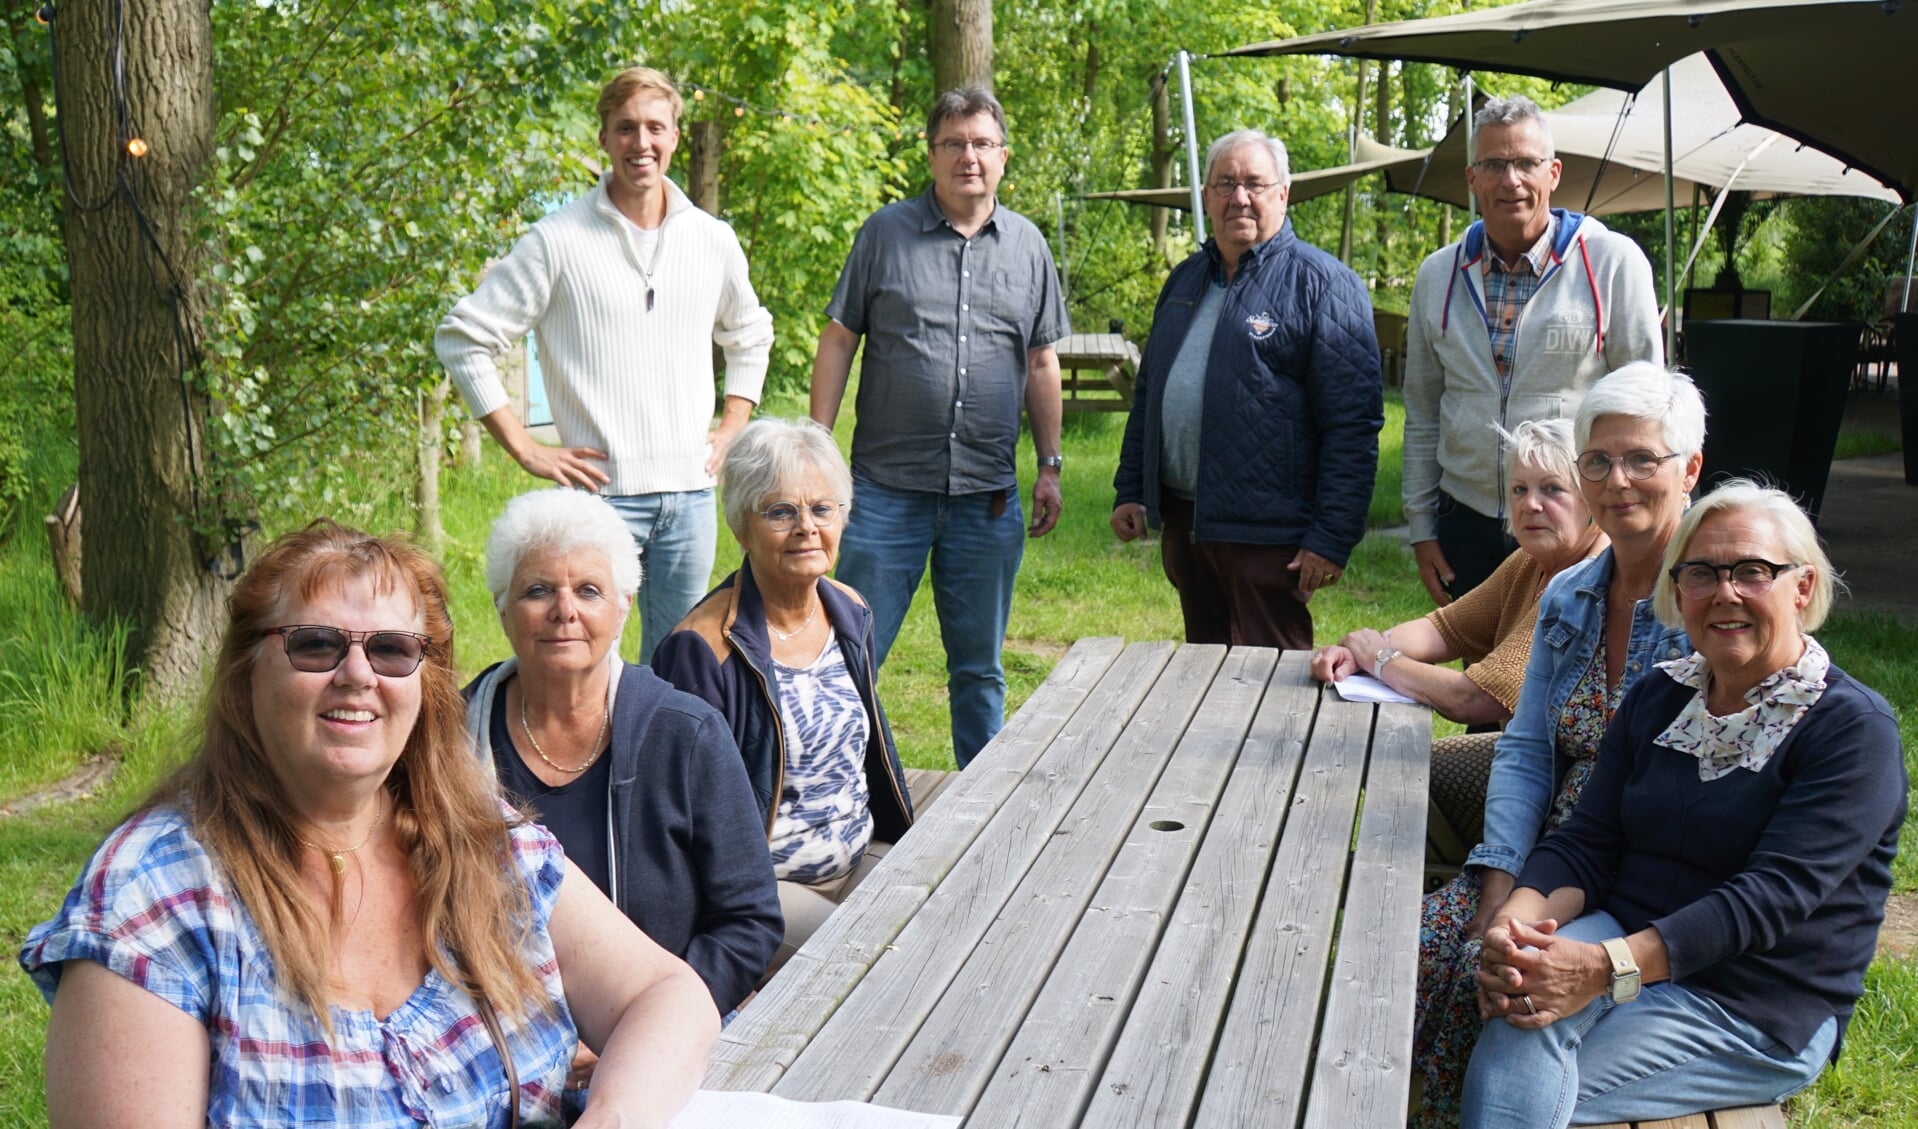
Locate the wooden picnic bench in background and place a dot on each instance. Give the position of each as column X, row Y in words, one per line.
column 1101, row 363
column 1181, row 887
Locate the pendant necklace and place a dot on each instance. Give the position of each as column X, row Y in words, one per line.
column 599, row 742
column 785, row 635
column 338, row 858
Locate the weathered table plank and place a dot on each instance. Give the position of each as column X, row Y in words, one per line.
column 1065, row 1015
column 853, row 1051
column 756, row 1049
column 1155, row 1072
column 1367, row 1033
column 1258, row 1074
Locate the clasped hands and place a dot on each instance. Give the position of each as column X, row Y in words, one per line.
column 1521, row 962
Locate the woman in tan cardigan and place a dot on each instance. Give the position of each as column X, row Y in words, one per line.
column 1490, row 627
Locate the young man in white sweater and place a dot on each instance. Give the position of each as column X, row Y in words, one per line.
column 1511, row 323
column 627, row 289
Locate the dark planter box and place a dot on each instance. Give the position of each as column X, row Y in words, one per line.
column 1775, row 391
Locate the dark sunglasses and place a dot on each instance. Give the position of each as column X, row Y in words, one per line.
column 316, row 649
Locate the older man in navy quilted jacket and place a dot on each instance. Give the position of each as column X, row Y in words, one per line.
column 1253, row 438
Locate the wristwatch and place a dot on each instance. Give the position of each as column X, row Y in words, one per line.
column 1386, row 654
column 1624, row 971
column 1053, row 461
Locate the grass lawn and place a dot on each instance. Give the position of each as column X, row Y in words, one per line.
column 62, row 699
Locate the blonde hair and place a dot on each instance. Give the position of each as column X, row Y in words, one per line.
column 473, row 906
column 621, row 87
column 1795, row 535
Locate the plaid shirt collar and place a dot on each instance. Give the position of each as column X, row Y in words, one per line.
column 1507, row 289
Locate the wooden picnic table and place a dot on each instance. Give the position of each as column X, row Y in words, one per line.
column 1097, row 362
column 1180, row 888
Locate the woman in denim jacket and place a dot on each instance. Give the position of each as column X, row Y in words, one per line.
column 1640, row 434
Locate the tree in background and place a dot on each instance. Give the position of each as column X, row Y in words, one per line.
column 961, row 43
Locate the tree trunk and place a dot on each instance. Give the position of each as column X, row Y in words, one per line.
column 1382, row 133
column 1162, row 154
column 427, row 526
column 959, row 35
column 137, row 326
column 27, row 70
column 706, row 138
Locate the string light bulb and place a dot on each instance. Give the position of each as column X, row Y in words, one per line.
column 44, row 13
column 699, row 95
column 136, row 147
column 739, row 111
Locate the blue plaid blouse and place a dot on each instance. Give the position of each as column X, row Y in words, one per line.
column 153, row 906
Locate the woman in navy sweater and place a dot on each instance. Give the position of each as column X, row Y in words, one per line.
column 1696, row 935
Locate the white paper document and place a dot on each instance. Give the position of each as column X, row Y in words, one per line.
column 727, row 1109
column 1365, row 688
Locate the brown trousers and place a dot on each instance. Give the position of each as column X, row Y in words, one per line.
column 1230, row 592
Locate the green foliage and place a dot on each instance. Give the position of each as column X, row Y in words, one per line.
column 1823, row 231
column 369, row 160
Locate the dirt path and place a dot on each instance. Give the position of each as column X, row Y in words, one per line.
column 82, row 782
column 1899, row 936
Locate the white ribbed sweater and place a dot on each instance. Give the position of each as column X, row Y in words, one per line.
column 633, row 382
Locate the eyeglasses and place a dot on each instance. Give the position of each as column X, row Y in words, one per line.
column 1253, row 188
column 780, row 517
column 1751, row 578
column 1596, row 466
column 316, row 649
column 953, row 147
column 1499, row 166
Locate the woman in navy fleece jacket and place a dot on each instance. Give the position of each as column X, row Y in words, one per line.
column 1722, row 881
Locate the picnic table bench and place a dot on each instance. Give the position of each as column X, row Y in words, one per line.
column 1097, row 362
column 1181, row 887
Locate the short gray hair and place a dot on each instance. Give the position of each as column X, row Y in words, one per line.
column 771, row 454
column 1240, row 137
column 1545, row 444
column 964, row 102
column 1515, row 110
column 1645, row 391
column 561, row 521
column 1795, row 534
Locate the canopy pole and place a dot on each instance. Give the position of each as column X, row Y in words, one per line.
column 1911, row 256
column 1671, row 235
column 1191, row 146
column 1471, row 147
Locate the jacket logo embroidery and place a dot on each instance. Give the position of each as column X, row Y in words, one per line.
column 1570, row 333
column 1262, row 325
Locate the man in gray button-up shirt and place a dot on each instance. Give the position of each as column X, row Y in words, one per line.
column 959, row 305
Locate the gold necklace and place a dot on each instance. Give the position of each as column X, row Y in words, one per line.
column 338, row 858
column 599, row 742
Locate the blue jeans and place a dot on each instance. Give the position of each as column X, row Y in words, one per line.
column 677, row 533
column 975, row 557
column 1666, row 1054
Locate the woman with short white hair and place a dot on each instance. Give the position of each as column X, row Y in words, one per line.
column 786, row 654
column 639, row 782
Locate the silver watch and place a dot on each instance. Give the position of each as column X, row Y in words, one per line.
column 1054, row 461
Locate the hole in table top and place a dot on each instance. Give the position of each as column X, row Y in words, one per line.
column 1166, row 825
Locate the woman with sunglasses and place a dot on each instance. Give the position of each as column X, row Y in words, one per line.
column 327, row 917
column 639, row 782
column 1696, row 935
column 1640, row 434
column 785, row 653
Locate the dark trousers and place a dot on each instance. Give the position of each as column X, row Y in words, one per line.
column 1230, row 592
column 1473, row 544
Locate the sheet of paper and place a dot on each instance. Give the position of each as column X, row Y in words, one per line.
column 1365, row 688
column 727, row 1109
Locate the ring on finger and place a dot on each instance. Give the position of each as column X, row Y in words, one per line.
column 1530, row 1007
